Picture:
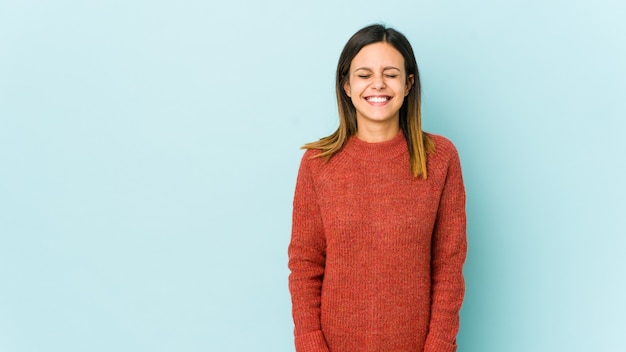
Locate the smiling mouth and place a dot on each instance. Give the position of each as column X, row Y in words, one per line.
column 378, row 99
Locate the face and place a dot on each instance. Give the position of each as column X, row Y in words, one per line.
column 378, row 84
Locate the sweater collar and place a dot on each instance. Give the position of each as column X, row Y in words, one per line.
column 376, row 151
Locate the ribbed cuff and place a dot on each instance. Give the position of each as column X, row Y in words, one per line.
column 435, row 344
column 311, row 342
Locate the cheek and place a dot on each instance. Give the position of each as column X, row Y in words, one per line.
column 353, row 88
column 399, row 87
column 354, row 99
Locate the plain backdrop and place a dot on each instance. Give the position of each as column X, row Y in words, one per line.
column 149, row 149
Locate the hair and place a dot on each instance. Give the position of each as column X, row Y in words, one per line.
column 419, row 143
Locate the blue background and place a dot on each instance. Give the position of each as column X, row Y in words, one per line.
column 149, row 149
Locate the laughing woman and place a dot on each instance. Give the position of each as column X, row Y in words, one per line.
column 379, row 237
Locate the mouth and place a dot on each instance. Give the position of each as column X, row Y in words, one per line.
column 378, row 99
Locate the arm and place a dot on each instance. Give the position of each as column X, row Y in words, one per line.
column 307, row 257
column 449, row 247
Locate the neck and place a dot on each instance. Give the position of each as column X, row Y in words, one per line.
column 380, row 132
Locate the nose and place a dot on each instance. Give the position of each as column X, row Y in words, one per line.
column 378, row 82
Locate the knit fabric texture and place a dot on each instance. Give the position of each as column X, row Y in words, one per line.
column 376, row 254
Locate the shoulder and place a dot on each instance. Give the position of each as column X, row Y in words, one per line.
column 320, row 167
column 444, row 156
column 311, row 157
column 311, row 161
column 443, row 146
column 311, row 153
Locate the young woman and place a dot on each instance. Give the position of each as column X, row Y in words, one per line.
column 378, row 238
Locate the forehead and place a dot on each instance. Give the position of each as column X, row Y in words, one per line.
column 378, row 55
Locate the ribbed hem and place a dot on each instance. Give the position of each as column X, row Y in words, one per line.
column 376, row 151
column 435, row 344
column 311, row 342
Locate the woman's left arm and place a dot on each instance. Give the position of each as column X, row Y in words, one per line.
column 448, row 252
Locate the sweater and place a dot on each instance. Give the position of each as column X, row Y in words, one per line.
column 376, row 254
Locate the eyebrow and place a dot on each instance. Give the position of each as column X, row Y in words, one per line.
column 384, row 69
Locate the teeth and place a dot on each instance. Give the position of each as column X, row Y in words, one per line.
column 377, row 99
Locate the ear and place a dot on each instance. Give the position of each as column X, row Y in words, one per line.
column 410, row 81
column 346, row 88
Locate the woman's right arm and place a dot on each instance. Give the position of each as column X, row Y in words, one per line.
column 307, row 258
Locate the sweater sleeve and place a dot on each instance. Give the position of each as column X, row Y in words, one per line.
column 307, row 257
column 449, row 247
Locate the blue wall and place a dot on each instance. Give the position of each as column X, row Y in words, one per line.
column 148, row 153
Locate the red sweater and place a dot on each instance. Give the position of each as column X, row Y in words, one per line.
column 376, row 255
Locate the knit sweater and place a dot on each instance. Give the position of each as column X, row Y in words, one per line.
column 376, row 254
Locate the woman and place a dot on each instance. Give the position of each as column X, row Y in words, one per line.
column 378, row 238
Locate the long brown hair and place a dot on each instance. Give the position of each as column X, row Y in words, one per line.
column 419, row 143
